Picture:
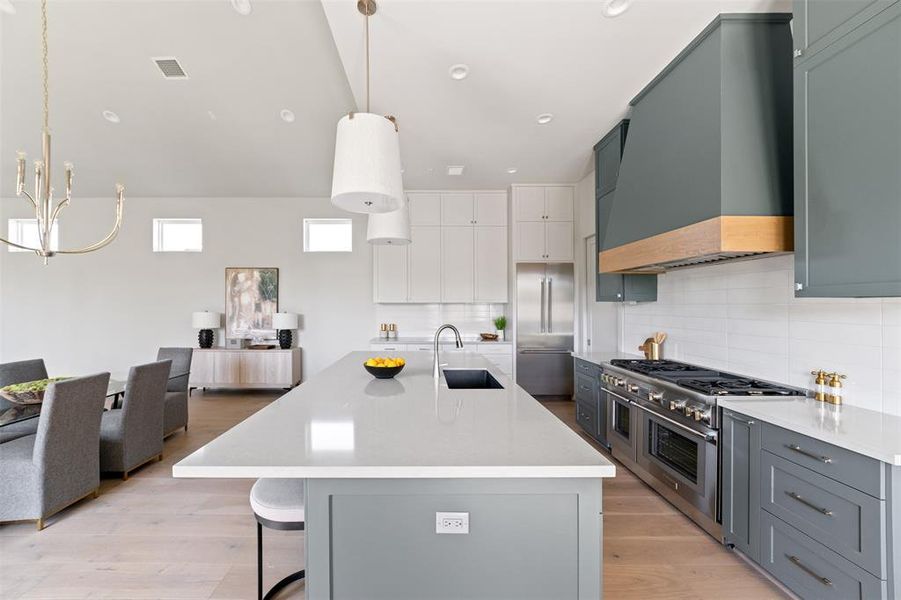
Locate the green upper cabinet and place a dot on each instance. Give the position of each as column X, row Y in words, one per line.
column 848, row 159
column 613, row 287
column 818, row 23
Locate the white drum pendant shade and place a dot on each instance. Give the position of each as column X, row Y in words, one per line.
column 367, row 177
column 389, row 228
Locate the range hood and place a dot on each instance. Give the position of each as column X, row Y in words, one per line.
column 706, row 172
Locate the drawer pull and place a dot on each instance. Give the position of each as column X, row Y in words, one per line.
column 584, row 388
column 799, row 450
column 809, row 504
column 735, row 418
column 797, row 562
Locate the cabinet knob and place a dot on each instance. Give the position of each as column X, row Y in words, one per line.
column 798, row 52
column 799, row 287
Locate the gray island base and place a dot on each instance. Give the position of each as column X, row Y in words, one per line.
column 382, row 458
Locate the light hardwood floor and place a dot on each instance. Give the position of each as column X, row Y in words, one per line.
column 158, row 537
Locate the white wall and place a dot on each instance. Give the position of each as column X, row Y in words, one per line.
column 113, row 308
column 604, row 316
column 743, row 317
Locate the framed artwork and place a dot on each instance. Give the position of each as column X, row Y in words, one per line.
column 251, row 298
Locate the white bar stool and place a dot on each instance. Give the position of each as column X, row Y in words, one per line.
column 276, row 504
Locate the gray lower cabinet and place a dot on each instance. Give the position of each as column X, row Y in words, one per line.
column 614, row 287
column 819, row 518
column 817, row 23
column 591, row 413
column 741, row 482
column 847, row 138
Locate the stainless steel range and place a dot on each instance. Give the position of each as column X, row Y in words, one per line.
column 662, row 423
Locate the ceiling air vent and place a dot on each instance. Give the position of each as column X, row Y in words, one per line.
column 170, row 68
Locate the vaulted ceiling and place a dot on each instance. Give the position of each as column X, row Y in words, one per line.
column 219, row 133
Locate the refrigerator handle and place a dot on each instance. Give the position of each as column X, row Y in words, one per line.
column 541, row 309
column 550, row 327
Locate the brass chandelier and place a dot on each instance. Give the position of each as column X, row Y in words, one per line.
column 42, row 200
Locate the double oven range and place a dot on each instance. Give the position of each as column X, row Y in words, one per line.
column 663, row 424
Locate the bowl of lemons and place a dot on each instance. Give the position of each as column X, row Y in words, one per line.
column 384, row 368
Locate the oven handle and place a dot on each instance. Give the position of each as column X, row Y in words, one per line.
column 707, row 437
column 624, row 399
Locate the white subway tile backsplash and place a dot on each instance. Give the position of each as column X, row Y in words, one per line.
column 743, row 317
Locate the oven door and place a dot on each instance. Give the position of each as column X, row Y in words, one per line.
column 683, row 459
column 622, row 426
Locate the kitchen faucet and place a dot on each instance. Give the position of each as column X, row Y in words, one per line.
column 436, row 371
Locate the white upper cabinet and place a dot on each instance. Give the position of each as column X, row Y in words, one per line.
column 458, row 253
column 457, row 264
column 457, row 209
column 390, row 277
column 543, row 223
column 559, row 203
column 425, row 208
column 528, row 204
column 425, row 264
column 490, row 209
column 490, row 264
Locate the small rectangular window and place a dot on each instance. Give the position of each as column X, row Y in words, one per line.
column 327, row 235
column 25, row 232
column 177, row 235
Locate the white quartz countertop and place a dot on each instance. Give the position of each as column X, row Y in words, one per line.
column 599, row 358
column 860, row 430
column 445, row 339
column 343, row 423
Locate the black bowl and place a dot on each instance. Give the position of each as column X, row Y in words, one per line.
column 383, row 372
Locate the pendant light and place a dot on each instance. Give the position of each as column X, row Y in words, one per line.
column 392, row 228
column 366, row 176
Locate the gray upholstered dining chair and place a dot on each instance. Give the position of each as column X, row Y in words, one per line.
column 175, row 413
column 133, row 435
column 44, row 473
column 20, row 372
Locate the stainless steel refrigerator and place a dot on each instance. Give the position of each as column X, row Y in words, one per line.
column 544, row 328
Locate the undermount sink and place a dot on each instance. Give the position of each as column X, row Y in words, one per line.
column 471, row 379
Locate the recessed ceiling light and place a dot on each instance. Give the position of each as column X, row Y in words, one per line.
column 7, row 7
column 455, row 170
column 110, row 116
column 459, row 71
column 545, row 118
column 287, row 115
column 511, row 170
column 614, row 8
column 211, row 114
column 242, row 7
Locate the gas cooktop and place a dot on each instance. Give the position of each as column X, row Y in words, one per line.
column 705, row 381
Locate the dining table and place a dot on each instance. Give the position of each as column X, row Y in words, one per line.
column 11, row 412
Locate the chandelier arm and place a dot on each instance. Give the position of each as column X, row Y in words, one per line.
column 20, row 246
column 120, row 201
column 30, row 198
column 62, row 204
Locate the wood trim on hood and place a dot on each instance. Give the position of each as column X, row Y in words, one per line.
column 719, row 238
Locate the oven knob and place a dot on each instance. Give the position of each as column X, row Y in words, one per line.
column 688, row 411
column 618, row 382
column 632, row 388
column 702, row 415
column 676, row 404
column 655, row 396
column 605, row 378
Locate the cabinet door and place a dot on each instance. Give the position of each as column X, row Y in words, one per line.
column 490, row 264
column 203, row 367
column 425, row 264
column 491, row 209
column 528, row 203
column 847, row 152
column 608, row 155
column 457, row 264
column 559, row 241
column 457, row 209
column 741, row 482
column 530, row 241
column 559, row 203
column 425, row 208
column 266, row 368
column 390, row 277
column 817, row 23
column 609, row 285
column 226, row 368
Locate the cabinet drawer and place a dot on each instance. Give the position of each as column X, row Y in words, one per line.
column 586, row 388
column 839, row 517
column 586, row 368
column 858, row 471
column 587, row 417
column 387, row 347
column 809, row 569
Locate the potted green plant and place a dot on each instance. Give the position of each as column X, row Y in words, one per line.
column 500, row 324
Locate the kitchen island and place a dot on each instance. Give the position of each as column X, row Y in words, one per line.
column 382, row 457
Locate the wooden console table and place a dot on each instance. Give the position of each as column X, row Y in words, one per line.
column 245, row 369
